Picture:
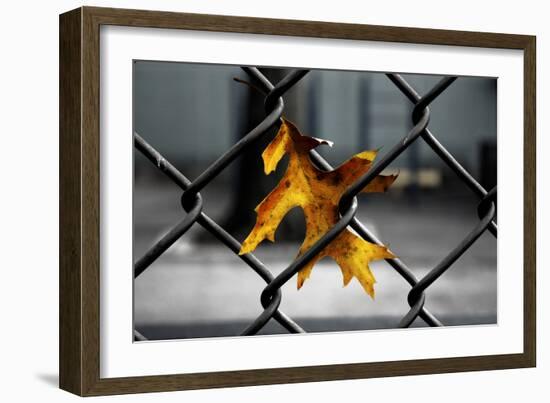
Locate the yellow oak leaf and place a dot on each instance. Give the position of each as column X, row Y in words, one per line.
column 318, row 194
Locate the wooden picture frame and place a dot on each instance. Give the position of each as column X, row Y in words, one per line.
column 79, row 200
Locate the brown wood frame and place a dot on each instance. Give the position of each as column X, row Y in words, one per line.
column 79, row 200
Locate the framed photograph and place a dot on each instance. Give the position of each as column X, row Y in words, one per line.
column 249, row 201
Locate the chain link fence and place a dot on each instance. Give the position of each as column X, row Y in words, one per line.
column 271, row 295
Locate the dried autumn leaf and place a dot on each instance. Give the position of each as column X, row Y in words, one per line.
column 318, row 194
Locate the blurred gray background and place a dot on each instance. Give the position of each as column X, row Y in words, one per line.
column 192, row 113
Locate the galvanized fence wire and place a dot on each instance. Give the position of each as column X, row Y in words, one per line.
column 271, row 295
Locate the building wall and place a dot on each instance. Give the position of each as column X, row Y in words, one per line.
column 191, row 112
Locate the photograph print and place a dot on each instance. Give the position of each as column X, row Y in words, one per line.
column 283, row 201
